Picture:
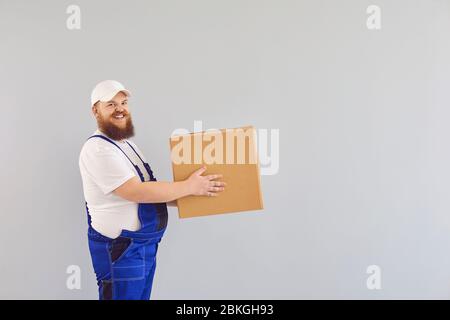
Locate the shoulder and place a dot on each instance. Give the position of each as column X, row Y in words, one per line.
column 97, row 147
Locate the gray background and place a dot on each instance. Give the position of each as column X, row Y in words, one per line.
column 363, row 118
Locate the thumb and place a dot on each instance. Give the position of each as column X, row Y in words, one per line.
column 201, row 170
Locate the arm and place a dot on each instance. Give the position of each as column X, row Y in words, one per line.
column 152, row 191
column 158, row 191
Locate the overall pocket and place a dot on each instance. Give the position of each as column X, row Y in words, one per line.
column 128, row 263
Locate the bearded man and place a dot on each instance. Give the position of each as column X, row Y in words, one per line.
column 126, row 206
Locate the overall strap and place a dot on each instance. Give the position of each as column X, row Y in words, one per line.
column 146, row 165
column 135, row 152
column 88, row 215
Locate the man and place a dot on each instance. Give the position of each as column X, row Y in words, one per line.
column 126, row 206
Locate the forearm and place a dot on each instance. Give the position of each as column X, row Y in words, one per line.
column 161, row 191
column 152, row 191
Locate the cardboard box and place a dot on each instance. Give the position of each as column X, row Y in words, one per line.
column 230, row 152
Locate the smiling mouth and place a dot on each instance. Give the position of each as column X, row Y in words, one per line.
column 119, row 116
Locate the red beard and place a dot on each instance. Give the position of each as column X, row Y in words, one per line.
column 113, row 131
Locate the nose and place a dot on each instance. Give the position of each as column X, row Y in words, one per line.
column 119, row 108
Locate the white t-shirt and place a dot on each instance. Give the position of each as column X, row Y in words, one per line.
column 103, row 169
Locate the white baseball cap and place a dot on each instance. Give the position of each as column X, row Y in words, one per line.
column 106, row 90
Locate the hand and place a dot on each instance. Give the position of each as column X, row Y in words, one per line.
column 204, row 185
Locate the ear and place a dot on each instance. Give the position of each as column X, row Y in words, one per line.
column 95, row 110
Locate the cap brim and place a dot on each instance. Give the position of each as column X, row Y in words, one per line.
column 113, row 94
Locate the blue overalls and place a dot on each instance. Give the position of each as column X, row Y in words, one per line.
column 125, row 266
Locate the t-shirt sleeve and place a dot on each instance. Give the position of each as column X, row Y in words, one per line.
column 106, row 167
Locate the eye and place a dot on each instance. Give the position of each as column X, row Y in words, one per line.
column 125, row 103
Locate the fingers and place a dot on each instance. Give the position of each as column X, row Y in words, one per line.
column 217, row 184
column 216, row 189
column 214, row 176
column 213, row 188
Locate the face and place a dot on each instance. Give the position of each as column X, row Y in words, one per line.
column 113, row 117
